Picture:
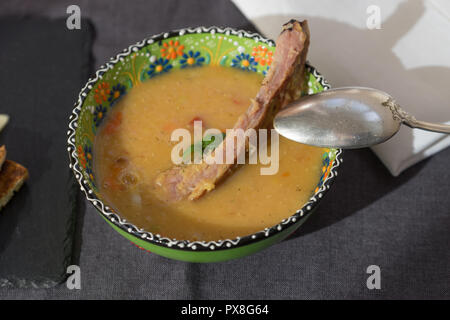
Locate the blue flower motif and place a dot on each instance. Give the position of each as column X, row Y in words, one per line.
column 245, row 62
column 99, row 114
column 90, row 174
column 116, row 92
column 326, row 160
column 325, row 168
column 191, row 59
column 265, row 71
column 88, row 154
column 159, row 66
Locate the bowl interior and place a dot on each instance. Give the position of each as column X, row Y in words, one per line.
column 149, row 59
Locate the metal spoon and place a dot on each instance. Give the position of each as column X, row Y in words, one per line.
column 349, row 118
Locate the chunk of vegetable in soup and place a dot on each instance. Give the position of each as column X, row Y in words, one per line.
column 133, row 145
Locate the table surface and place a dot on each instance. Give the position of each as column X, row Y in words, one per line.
column 369, row 218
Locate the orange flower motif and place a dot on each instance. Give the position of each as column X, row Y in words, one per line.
column 101, row 92
column 81, row 156
column 172, row 49
column 327, row 172
column 262, row 55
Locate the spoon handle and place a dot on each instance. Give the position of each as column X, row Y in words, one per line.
column 429, row 126
column 409, row 120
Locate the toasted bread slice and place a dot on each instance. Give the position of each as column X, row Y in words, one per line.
column 4, row 118
column 12, row 177
column 2, row 156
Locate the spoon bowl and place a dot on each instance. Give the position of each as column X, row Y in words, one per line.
column 348, row 118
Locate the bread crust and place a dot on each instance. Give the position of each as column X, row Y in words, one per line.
column 12, row 177
column 2, row 156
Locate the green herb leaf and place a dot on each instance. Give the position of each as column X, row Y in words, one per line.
column 208, row 144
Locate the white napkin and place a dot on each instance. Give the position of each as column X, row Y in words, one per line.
column 409, row 57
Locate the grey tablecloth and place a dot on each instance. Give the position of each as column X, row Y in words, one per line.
column 369, row 218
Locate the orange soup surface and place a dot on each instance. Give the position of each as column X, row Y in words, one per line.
column 133, row 146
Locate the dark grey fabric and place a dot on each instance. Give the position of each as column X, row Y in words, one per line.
column 369, row 218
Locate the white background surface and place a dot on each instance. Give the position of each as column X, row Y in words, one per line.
column 409, row 57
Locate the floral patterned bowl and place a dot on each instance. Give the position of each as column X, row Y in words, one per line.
column 145, row 61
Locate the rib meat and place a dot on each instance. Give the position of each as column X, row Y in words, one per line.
column 282, row 84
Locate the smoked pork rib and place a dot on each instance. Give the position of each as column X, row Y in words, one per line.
column 282, row 84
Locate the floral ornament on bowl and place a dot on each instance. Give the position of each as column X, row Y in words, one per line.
column 85, row 156
column 172, row 50
column 191, row 59
column 99, row 114
column 158, row 67
column 326, row 167
column 90, row 174
column 245, row 62
column 88, row 153
column 81, row 156
column 102, row 92
column 117, row 91
column 262, row 55
column 264, row 72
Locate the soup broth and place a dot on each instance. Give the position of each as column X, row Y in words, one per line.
column 133, row 146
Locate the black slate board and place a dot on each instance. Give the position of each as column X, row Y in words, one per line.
column 42, row 68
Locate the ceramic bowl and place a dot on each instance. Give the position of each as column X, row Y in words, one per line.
column 146, row 61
